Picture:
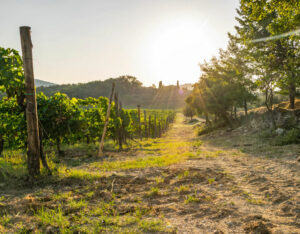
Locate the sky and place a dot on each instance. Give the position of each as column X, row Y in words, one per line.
column 76, row 41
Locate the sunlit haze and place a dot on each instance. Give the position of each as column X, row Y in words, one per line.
column 80, row 41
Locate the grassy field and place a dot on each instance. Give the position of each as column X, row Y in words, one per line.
column 178, row 183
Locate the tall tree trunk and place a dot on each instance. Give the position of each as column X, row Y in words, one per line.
column 292, row 94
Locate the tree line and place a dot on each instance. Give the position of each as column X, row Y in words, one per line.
column 130, row 90
column 262, row 57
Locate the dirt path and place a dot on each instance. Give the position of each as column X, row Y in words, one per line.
column 226, row 191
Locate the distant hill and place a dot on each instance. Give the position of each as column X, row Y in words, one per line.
column 39, row 83
column 131, row 92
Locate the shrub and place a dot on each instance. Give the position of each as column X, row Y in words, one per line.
column 289, row 137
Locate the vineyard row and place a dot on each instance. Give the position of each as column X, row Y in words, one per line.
column 68, row 121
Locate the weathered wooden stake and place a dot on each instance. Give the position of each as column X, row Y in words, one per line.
column 119, row 129
column 101, row 143
column 123, row 132
column 155, row 127
column 145, row 123
column 159, row 129
column 149, row 126
column 33, row 140
column 139, row 116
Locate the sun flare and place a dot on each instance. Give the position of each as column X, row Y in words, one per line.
column 176, row 50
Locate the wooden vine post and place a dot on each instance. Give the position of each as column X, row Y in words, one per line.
column 145, row 123
column 119, row 128
column 149, row 127
column 33, row 140
column 159, row 129
column 123, row 134
column 155, row 127
column 101, row 143
column 139, row 119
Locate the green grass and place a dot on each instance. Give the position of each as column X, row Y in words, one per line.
column 211, row 180
column 249, row 198
column 139, row 163
column 2, row 199
column 166, row 153
column 159, row 180
column 151, row 225
column 145, row 162
column 182, row 188
column 54, row 217
column 78, row 174
column 77, row 204
column 154, row 191
column 97, row 218
column 191, row 199
column 183, row 175
column 5, row 220
column 62, row 196
column 197, row 143
column 255, row 201
column 12, row 165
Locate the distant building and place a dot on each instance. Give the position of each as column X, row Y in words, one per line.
column 160, row 85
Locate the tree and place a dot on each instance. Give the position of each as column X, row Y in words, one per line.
column 266, row 28
column 189, row 111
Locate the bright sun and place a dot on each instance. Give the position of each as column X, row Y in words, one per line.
column 176, row 50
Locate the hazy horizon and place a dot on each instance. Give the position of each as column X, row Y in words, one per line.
column 81, row 41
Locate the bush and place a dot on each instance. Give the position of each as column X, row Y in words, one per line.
column 289, row 137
